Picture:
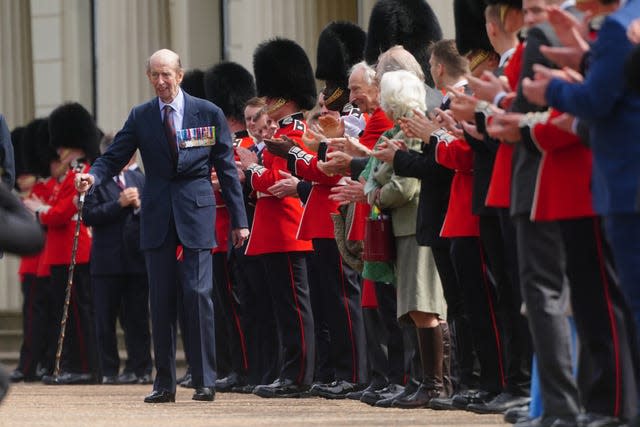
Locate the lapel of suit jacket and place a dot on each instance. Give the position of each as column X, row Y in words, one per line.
column 191, row 116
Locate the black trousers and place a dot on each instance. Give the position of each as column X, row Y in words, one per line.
column 125, row 296
column 463, row 361
column 287, row 281
column 79, row 351
column 385, row 349
column 228, row 312
column 542, row 265
column 34, row 325
column 497, row 235
column 480, row 303
column 608, row 366
column 257, row 316
column 324, row 371
column 341, row 301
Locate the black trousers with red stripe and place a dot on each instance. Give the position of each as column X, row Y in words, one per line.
column 340, row 293
column 34, row 325
column 286, row 276
column 480, row 303
column 228, row 312
column 608, row 366
column 497, row 234
column 79, row 351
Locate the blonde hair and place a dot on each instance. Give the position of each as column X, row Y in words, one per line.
column 401, row 92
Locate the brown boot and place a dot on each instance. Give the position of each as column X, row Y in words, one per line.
column 430, row 345
column 446, row 360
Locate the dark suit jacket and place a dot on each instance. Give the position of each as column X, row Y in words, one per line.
column 184, row 192
column 115, row 248
column 435, row 186
column 6, row 155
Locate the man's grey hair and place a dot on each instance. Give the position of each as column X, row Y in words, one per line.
column 369, row 72
column 398, row 58
column 401, row 92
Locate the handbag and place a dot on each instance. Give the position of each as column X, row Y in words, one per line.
column 379, row 241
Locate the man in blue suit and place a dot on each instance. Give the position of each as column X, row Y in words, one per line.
column 178, row 207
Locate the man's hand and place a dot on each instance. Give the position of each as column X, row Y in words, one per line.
column 446, row 120
column 535, row 90
column 247, row 157
column 487, row 86
column 332, row 127
column 238, row 236
column 33, row 203
column 286, row 187
column 565, row 122
column 278, row 147
column 350, row 145
column 312, row 139
column 418, row 126
column 570, row 57
column 214, row 180
column 386, row 150
column 472, row 130
column 506, row 127
column 83, row 182
column 570, row 31
column 338, row 163
column 353, row 191
column 129, row 197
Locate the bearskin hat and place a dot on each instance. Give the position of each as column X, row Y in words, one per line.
column 193, row 83
column 471, row 33
column 72, row 126
column 410, row 23
column 229, row 85
column 18, row 152
column 340, row 46
column 36, row 150
column 517, row 4
column 283, row 70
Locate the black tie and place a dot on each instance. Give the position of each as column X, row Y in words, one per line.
column 170, row 131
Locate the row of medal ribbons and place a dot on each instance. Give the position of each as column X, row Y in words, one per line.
column 196, row 137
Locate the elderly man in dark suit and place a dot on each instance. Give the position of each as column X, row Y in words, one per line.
column 178, row 207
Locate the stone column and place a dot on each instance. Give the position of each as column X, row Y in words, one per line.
column 196, row 32
column 127, row 33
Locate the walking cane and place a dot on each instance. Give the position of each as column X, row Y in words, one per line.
column 67, row 298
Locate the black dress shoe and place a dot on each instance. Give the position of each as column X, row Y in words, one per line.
column 16, row 376
column 515, row 414
column 160, row 396
column 591, row 419
column 69, row 378
column 187, row 382
column 145, row 379
column 227, row 383
column 337, row 389
column 127, row 378
column 280, row 388
column 467, row 397
column 244, row 389
column 371, row 397
column 499, row 404
column 110, row 380
column 357, row 395
column 419, row 399
column 548, row 422
column 204, row 393
column 409, row 389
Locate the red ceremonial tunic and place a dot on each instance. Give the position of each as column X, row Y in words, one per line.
column 29, row 264
column 60, row 220
column 276, row 221
column 457, row 155
column 43, row 269
column 499, row 192
column 563, row 185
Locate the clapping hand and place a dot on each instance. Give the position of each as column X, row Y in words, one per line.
column 418, row 126
column 352, row 191
column 505, row 127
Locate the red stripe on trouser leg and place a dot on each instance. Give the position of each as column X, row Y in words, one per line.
column 236, row 319
column 354, row 363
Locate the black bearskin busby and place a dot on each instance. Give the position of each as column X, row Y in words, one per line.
column 282, row 70
column 410, row 23
column 37, row 152
column 340, row 47
column 193, row 83
column 72, row 126
column 19, row 163
column 471, row 32
column 516, row 4
column 229, row 85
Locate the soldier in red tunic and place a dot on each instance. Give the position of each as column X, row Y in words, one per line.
column 75, row 136
column 284, row 76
